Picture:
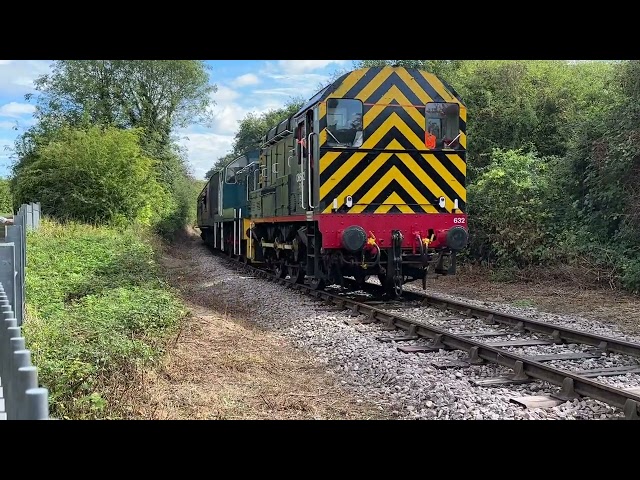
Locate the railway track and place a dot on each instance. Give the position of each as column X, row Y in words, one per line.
column 491, row 336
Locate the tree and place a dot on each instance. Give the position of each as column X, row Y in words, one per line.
column 155, row 95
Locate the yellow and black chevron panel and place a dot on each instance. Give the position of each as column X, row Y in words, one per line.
column 392, row 180
column 393, row 170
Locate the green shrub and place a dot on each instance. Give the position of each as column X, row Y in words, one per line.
column 6, row 203
column 92, row 175
column 508, row 211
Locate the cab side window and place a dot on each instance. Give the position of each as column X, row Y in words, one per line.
column 344, row 122
column 442, row 125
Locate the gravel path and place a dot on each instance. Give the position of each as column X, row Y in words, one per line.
column 408, row 385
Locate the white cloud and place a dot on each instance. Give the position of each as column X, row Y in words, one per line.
column 224, row 95
column 7, row 124
column 291, row 78
column 15, row 109
column 227, row 113
column 226, row 118
column 204, row 149
column 246, row 79
column 294, row 67
column 283, row 91
column 15, row 75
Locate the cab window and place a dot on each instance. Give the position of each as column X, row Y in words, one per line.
column 442, row 129
column 232, row 168
column 344, row 122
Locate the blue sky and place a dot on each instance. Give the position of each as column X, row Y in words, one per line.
column 243, row 86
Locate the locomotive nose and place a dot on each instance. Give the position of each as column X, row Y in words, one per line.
column 457, row 238
column 354, row 238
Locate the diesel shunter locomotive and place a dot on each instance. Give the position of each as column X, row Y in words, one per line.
column 366, row 179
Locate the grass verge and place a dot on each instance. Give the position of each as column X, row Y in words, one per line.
column 98, row 313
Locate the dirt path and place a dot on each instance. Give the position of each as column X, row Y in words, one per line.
column 222, row 367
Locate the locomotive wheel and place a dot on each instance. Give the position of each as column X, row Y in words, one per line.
column 278, row 269
column 317, row 283
column 296, row 274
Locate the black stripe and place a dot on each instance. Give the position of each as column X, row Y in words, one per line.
column 354, row 173
column 460, row 153
column 393, row 187
column 394, row 79
column 336, row 84
column 426, row 86
column 462, row 125
column 371, row 182
column 392, row 134
column 363, row 82
column 448, row 164
column 395, row 134
column 384, row 115
column 345, row 181
column 415, row 182
column 384, row 169
column 437, row 179
column 452, row 90
column 337, row 163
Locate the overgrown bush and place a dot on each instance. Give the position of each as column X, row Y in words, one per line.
column 509, row 212
column 93, row 175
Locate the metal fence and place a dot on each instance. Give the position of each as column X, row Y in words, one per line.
column 20, row 397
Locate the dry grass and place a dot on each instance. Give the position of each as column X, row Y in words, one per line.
column 222, row 367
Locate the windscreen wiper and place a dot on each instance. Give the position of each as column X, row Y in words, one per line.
column 339, row 142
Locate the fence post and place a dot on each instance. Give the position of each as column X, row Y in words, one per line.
column 14, row 235
column 37, row 404
column 8, row 272
column 19, row 358
column 26, row 380
column 18, row 219
column 28, row 213
column 36, row 215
